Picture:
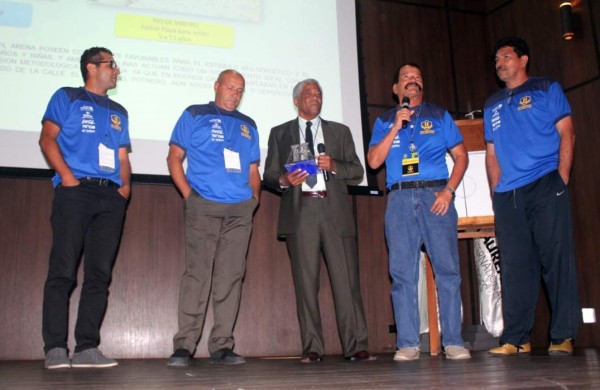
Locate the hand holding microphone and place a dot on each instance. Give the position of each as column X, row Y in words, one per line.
column 321, row 150
column 405, row 104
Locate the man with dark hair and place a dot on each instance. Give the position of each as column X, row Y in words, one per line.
column 221, row 188
column 85, row 139
column 518, row 45
column 315, row 216
column 413, row 140
column 530, row 141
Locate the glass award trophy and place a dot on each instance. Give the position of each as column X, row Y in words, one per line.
column 301, row 158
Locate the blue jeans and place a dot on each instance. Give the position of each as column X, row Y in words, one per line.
column 408, row 224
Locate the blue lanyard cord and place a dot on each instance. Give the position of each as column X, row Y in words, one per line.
column 107, row 114
column 226, row 133
column 412, row 127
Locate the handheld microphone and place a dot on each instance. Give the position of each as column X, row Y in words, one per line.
column 405, row 104
column 321, row 150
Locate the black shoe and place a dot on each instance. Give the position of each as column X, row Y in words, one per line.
column 226, row 356
column 180, row 358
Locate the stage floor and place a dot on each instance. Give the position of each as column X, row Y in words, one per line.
column 537, row 371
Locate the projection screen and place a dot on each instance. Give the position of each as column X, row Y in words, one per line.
column 169, row 54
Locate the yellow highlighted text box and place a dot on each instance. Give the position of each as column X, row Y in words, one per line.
column 173, row 30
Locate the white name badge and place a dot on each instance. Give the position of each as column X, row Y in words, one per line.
column 106, row 158
column 232, row 161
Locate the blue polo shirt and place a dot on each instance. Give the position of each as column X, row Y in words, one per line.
column 433, row 132
column 521, row 123
column 204, row 132
column 87, row 120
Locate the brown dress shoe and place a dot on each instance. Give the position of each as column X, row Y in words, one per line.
column 311, row 357
column 362, row 356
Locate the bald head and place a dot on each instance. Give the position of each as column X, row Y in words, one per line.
column 229, row 89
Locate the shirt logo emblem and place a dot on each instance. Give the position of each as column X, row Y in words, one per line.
column 524, row 103
column 245, row 132
column 115, row 122
column 427, row 127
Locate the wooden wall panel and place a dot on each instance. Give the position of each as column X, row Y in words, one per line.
column 375, row 280
column 492, row 5
column 585, row 200
column 24, row 248
column 593, row 9
column 395, row 33
column 141, row 318
column 570, row 62
column 473, row 66
column 473, row 6
column 143, row 300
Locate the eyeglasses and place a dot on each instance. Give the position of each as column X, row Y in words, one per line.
column 111, row 63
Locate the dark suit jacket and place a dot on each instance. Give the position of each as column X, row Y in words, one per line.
column 340, row 146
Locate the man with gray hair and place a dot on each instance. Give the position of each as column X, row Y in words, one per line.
column 315, row 216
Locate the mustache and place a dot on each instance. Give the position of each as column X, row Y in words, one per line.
column 415, row 84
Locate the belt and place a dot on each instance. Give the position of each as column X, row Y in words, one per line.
column 315, row 194
column 98, row 181
column 405, row 185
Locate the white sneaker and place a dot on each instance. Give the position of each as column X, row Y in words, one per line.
column 456, row 352
column 407, row 353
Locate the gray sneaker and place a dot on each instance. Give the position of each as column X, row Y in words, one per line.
column 226, row 356
column 407, row 353
column 456, row 352
column 180, row 358
column 57, row 358
column 93, row 358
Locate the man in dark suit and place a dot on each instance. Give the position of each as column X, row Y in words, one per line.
column 315, row 217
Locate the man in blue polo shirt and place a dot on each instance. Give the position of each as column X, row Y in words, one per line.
column 221, row 189
column 530, row 142
column 85, row 139
column 413, row 140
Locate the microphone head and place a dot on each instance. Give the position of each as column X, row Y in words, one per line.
column 321, row 148
column 405, row 102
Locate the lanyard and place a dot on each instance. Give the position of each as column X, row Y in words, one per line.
column 226, row 133
column 107, row 114
column 412, row 147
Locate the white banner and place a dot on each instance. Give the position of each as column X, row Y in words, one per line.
column 487, row 263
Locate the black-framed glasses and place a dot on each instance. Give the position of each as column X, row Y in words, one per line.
column 111, row 63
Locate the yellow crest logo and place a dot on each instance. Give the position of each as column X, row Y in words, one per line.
column 427, row 127
column 524, row 102
column 245, row 132
column 115, row 122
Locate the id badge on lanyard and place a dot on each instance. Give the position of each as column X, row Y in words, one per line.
column 410, row 164
column 232, row 161
column 106, row 158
